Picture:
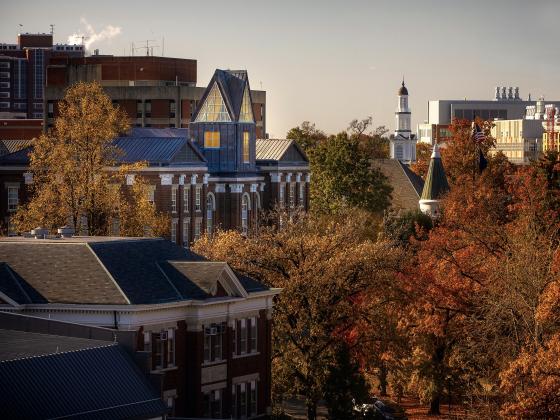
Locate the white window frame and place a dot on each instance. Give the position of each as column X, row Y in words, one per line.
column 174, row 230
column 174, row 198
column 186, row 198
column 13, row 197
column 197, row 198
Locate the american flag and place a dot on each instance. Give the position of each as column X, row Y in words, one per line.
column 477, row 134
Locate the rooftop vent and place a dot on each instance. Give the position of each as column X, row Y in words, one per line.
column 40, row 233
column 66, row 231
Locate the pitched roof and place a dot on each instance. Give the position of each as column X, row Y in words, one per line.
column 99, row 382
column 22, row 344
column 276, row 149
column 12, row 146
column 436, row 181
column 232, row 85
column 19, row 157
column 406, row 185
column 158, row 150
column 99, row 271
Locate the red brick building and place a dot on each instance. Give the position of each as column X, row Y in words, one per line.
column 216, row 174
column 206, row 331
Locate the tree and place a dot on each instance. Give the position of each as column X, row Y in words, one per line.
column 374, row 144
column 69, row 167
column 423, row 157
column 307, row 136
column 343, row 177
column 323, row 267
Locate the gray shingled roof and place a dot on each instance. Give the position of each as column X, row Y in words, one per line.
column 12, row 146
column 98, row 271
column 93, row 383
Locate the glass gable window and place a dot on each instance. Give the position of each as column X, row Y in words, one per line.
column 214, row 108
column 246, row 157
column 246, row 114
column 212, row 139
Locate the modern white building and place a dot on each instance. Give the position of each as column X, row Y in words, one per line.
column 403, row 142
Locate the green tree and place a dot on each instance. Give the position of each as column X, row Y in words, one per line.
column 307, row 136
column 343, row 177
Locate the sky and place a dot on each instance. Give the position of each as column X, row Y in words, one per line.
column 327, row 61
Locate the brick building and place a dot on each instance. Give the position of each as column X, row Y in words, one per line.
column 206, row 330
column 23, row 74
column 214, row 174
column 158, row 92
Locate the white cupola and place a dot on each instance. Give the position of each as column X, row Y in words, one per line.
column 403, row 143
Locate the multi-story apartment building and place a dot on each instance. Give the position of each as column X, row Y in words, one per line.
column 204, row 329
column 215, row 174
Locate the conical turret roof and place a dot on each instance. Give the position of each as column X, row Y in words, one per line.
column 436, row 182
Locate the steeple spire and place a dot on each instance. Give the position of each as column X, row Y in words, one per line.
column 435, row 185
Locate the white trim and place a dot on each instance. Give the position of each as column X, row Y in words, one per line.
column 298, row 177
column 205, row 179
column 254, row 187
column 289, row 177
column 193, row 179
column 236, row 188
column 263, row 184
column 9, row 300
column 28, row 178
column 166, row 179
column 182, row 179
column 275, row 177
column 173, row 169
column 228, row 179
column 220, row 188
column 130, row 179
column 282, row 168
column 307, row 178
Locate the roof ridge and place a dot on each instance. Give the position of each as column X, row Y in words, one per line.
column 29, row 300
column 127, row 300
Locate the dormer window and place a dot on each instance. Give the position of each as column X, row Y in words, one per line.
column 211, row 139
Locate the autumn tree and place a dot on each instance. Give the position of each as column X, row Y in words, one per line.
column 322, row 266
column 306, row 135
column 70, row 164
column 343, row 177
column 423, row 157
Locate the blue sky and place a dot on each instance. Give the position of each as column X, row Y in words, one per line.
column 330, row 61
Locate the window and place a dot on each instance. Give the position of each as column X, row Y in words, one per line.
column 213, row 404
column 151, row 193
column 174, row 230
column 252, row 335
column 13, row 198
column 211, row 139
column 246, row 155
column 186, row 226
column 197, row 203
column 174, row 198
column 246, row 114
column 172, row 109
column 5, row 95
column 243, row 337
column 4, row 65
column 5, row 85
column 148, row 108
column 210, row 213
column 244, row 399
column 162, row 347
column 302, row 194
column 186, row 194
column 197, row 224
column 245, row 203
column 139, row 109
column 4, row 105
column 281, row 194
column 292, row 195
column 213, row 342
column 214, row 108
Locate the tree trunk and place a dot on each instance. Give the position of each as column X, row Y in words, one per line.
column 311, row 410
column 383, row 380
column 434, row 406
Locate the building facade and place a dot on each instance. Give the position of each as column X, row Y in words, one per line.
column 205, row 331
column 403, row 142
column 23, row 73
column 216, row 174
column 520, row 140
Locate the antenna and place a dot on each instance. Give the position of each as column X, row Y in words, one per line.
column 20, row 28
column 148, row 47
column 52, row 29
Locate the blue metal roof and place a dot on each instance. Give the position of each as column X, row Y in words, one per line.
column 150, row 149
column 95, row 383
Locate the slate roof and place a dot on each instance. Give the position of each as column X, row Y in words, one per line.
column 99, row 271
column 232, row 85
column 20, row 157
column 436, row 184
column 416, row 180
column 99, row 382
column 276, row 149
column 158, row 132
column 205, row 274
column 406, row 185
column 158, row 150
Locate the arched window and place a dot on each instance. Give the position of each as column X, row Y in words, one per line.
column 210, row 207
column 245, row 206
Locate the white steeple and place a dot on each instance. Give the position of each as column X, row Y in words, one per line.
column 403, row 143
